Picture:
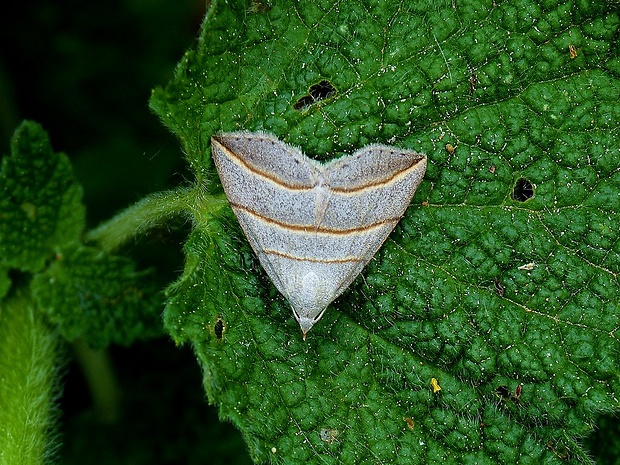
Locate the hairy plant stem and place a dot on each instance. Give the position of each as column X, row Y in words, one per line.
column 153, row 211
column 29, row 383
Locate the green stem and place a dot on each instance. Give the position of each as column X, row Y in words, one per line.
column 99, row 372
column 151, row 212
column 29, row 383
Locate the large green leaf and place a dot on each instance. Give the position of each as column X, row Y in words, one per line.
column 484, row 331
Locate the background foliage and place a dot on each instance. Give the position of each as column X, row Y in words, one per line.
column 510, row 307
column 85, row 72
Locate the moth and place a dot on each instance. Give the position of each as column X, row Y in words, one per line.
column 314, row 226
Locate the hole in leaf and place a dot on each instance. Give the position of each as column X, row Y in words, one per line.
column 322, row 90
column 523, row 190
column 316, row 93
column 503, row 391
column 218, row 329
column 303, row 102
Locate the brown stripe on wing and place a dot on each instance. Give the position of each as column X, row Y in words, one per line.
column 301, row 187
column 373, row 185
column 310, row 228
column 313, row 260
column 264, row 174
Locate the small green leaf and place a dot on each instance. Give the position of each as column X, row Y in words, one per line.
column 40, row 201
column 98, row 297
column 500, row 283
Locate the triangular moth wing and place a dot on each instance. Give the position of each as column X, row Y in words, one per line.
column 314, row 226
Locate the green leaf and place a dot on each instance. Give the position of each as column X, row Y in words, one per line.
column 98, row 297
column 40, row 201
column 500, row 283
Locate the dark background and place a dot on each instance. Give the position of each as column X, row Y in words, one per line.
column 85, row 70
